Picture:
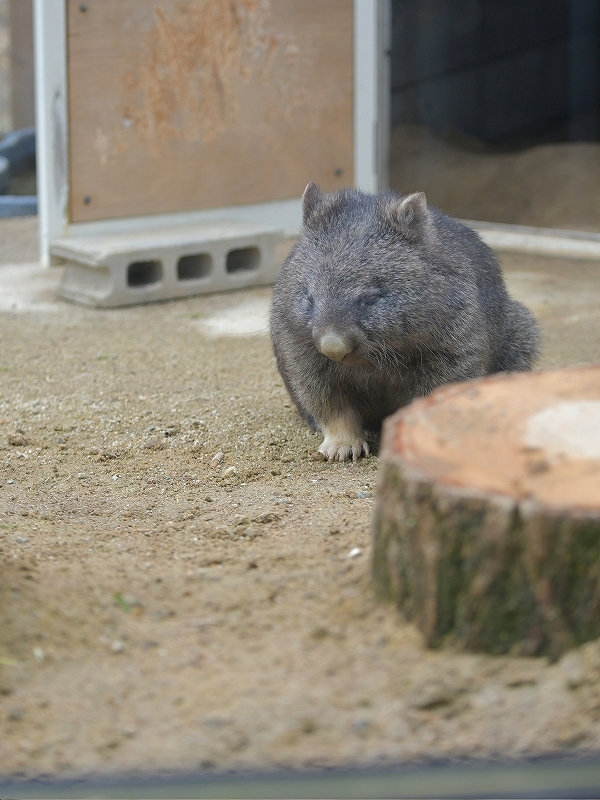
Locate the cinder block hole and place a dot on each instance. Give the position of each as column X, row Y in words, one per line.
column 143, row 273
column 194, row 266
column 246, row 258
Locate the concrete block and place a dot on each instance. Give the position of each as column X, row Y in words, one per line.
column 166, row 262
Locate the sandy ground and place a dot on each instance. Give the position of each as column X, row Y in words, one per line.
column 553, row 185
column 163, row 609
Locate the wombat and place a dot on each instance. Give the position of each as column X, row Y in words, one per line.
column 381, row 300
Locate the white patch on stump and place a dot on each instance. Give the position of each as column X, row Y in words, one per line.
column 571, row 429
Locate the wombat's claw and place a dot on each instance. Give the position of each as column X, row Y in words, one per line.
column 336, row 450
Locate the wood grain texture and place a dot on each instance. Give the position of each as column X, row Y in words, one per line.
column 481, row 435
column 177, row 105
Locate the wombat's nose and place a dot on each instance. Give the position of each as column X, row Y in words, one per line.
column 333, row 346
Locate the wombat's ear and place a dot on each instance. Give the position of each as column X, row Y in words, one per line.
column 409, row 215
column 311, row 202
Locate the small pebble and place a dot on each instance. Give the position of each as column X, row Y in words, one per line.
column 433, row 694
column 356, row 551
column 16, row 439
column 21, row 539
column 217, row 459
column 38, row 654
column 571, row 665
column 229, row 472
column 117, row 646
column 268, row 516
column 361, row 726
column 131, row 600
column 154, row 443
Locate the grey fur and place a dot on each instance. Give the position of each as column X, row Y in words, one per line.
column 414, row 298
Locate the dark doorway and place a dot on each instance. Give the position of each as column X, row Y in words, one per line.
column 496, row 108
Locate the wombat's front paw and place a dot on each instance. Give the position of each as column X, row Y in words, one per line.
column 335, row 449
column 344, row 438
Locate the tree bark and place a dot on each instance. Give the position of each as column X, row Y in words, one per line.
column 487, row 523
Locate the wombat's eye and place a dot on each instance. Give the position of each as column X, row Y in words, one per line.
column 368, row 300
column 307, row 303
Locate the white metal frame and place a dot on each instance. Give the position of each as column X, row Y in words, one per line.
column 50, row 39
column 538, row 241
column 372, row 93
column 371, row 127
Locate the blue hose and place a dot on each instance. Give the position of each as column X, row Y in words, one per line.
column 17, row 154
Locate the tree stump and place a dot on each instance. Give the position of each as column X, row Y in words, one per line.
column 487, row 523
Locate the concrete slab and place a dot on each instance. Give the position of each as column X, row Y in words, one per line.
column 167, row 262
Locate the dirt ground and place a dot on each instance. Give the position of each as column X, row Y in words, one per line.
column 164, row 608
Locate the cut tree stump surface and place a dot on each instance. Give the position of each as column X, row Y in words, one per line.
column 487, row 527
column 531, row 435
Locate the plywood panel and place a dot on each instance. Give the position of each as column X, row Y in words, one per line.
column 178, row 105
